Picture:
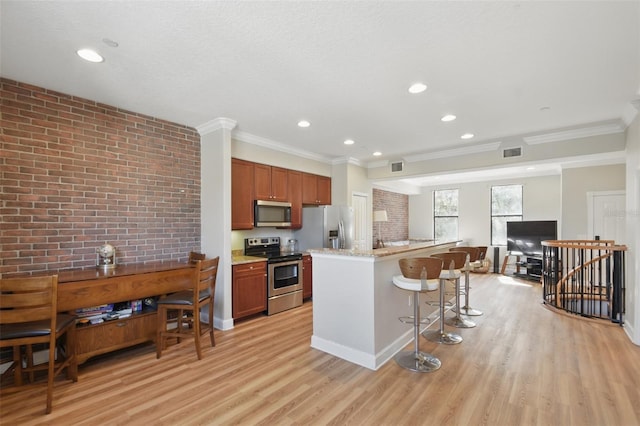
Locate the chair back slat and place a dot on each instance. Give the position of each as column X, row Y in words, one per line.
column 28, row 299
column 412, row 267
column 194, row 256
column 458, row 257
column 207, row 270
column 473, row 252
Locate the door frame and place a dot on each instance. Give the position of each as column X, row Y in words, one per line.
column 591, row 195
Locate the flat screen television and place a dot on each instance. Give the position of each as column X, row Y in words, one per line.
column 525, row 238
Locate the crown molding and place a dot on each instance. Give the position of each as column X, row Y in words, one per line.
column 630, row 112
column 346, row 160
column 474, row 149
column 216, row 124
column 376, row 164
column 584, row 132
column 277, row 146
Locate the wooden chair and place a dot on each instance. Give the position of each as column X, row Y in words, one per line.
column 189, row 301
column 418, row 274
column 28, row 316
column 194, row 256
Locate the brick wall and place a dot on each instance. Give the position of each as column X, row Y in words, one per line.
column 397, row 207
column 76, row 174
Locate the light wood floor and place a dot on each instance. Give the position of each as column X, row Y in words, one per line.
column 522, row 365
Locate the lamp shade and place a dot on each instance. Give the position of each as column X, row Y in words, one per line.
column 380, row 216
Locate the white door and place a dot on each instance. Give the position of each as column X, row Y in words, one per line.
column 606, row 215
column 360, row 228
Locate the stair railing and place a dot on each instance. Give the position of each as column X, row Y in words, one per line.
column 585, row 277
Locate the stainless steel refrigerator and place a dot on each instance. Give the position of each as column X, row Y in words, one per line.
column 326, row 227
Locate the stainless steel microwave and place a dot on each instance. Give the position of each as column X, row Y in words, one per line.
column 271, row 213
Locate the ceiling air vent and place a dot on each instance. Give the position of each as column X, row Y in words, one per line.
column 397, row 166
column 512, row 152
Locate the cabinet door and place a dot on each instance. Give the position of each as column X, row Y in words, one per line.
column 294, row 182
column 242, row 177
column 307, row 277
column 309, row 188
column 109, row 336
column 249, row 289
column 324, row 190
column 262, row 181
column 279, row 189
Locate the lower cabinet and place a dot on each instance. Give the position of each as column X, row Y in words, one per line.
column 249, row 289
column 96, row 339
column 307, row 276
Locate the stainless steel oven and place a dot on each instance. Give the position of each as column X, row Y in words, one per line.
column 284, row 273
column 284, row 291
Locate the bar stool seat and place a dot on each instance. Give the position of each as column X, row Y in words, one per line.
column 418, row 276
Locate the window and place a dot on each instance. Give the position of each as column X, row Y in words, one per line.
column 445, row 214
column 506, row 206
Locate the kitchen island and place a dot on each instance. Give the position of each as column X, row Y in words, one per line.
column 356, row 306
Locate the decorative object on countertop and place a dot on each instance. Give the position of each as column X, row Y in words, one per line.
column 106, row 256
column 380, row 216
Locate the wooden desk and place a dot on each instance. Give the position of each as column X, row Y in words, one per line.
column 82, row 288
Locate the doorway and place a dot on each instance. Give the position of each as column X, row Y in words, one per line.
column 359, row 202
column 606, row 215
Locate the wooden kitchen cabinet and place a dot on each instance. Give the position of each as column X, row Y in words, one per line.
column 270, row 183
column 294, row 181
column 316, row 190
column 242, row 178
column 249, row 289
column 307, row 276
column 96, row 339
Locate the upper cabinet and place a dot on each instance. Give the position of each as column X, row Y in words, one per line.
column 295, row 197
column 316, row 190
column 270, row 183
column 254, row 181
column 242, row 177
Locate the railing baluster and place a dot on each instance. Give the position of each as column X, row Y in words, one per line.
column 574, row 279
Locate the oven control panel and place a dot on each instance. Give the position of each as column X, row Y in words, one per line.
column 262, row 241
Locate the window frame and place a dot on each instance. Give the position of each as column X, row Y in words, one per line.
column 514, row 217
column 457, row 216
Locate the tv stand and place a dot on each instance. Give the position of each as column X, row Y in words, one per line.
column 527, row 266
column 532, row 266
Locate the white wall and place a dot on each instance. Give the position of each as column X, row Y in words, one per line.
column 541, row 201
column 575, row 185
column 632, row 323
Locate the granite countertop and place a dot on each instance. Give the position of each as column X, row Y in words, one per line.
column 240, row 259
column 381, row 252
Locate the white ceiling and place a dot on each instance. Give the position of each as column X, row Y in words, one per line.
column 504, row 68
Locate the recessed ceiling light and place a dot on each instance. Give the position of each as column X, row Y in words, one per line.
column 448, row 117
column 349, row 142
column 467, row 136
column 90, row 55
column 377, row 153
column 303, row 123
column 417, row 88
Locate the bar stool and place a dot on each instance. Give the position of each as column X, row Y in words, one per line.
column 475, row 254
column 418, row 275
column 453, row 274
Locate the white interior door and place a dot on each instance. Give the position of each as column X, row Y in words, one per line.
column 360, row 228
column 606, row 215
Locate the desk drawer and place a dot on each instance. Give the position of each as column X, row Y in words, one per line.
column 112, row 335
